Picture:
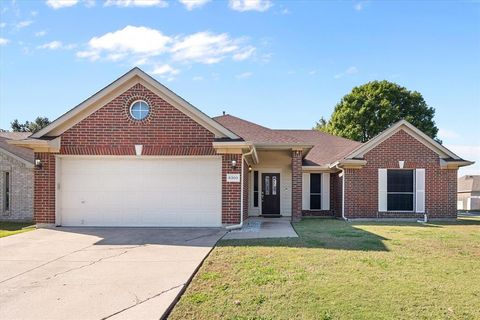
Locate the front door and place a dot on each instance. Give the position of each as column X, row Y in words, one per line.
column 270, row 193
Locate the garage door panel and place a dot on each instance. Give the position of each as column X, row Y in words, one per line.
column 138, row 192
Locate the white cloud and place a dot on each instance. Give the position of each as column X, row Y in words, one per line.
column 136, row 3
column 447, row 134
column 165, row 70
column 350, row 71
column 141, row 41
column 89, row 3
column 23, row 24
column 90, row 55
column 4, row 41
column 147, row 46
column 57, row 4
column 197, row 78
column 3, row 25
column 468, row 152
column 40, row 33
column 359, row 6
column 56, row 45
column 244, row 54
column 204, row 47
column 244, row 75
column 192, row 4
column 250, row 5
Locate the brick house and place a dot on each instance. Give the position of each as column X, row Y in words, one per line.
column 16, row 179
column 137, row 154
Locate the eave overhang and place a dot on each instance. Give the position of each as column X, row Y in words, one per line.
column 38, row 145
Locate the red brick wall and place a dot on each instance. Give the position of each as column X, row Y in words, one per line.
column 361, row 194
column 44, row 189
column 337, row 197
column 231, row 190
column 296, row 185
column 111, row 131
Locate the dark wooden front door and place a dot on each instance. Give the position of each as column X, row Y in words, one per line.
column 270, row 193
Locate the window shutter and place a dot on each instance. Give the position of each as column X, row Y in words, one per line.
column 382, row 190
column 306, row 191
column 420, row 190
column 325, row 191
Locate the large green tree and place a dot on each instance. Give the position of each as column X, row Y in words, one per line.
column 371, row 108
column 34, row 126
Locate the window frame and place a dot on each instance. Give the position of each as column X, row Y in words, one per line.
column 413, row 193
column 256, row 186
column 319, row 194
column 131, row 107
column 7, row 192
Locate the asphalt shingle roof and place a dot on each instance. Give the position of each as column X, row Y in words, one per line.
column 326, row 149
column 24, row 153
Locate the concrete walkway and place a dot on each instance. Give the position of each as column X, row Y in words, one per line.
column 258, row 227
column 98, row 273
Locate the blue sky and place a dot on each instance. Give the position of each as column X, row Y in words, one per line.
column 282, row 64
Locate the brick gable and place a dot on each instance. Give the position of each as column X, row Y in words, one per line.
column 111, row 129
column 361, row 185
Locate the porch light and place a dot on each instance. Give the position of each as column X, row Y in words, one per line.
column 234, row 164
column 249, row 168
column 38, row 163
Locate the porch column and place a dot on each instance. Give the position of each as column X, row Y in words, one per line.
column 296, row 185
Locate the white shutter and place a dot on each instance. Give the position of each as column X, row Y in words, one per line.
column 420, row 190
column 382, row 190
column 325, row 191
column 306, row 191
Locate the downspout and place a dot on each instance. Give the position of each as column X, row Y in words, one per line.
column 240, row 225
column 343, row 192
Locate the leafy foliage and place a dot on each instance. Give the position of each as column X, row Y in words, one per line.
column 37, row 125
column 373, row 107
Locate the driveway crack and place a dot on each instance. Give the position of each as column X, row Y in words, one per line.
column 143, row 301
column 94, row 262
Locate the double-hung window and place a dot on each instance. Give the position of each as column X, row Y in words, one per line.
column 400, row 190
column 315, row 191
column 6, row 192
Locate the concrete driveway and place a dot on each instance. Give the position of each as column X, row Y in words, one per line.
column 98, row 273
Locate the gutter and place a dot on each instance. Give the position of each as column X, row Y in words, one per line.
column 343, row 192
column 240, row 225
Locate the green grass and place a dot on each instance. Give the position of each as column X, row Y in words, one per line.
column 8, row 228
column 338, row 270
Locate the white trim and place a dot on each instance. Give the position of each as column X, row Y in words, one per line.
column 132, row 157
column 152, row 84
column 410, row 129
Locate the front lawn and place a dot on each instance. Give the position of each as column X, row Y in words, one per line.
column 8, row 228
column 338, row 270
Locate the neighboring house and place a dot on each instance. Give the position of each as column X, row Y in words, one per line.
column 137, row 154
column 468, row 196
column 16, row 180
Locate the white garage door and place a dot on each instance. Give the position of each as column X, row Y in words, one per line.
column 168, row 191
